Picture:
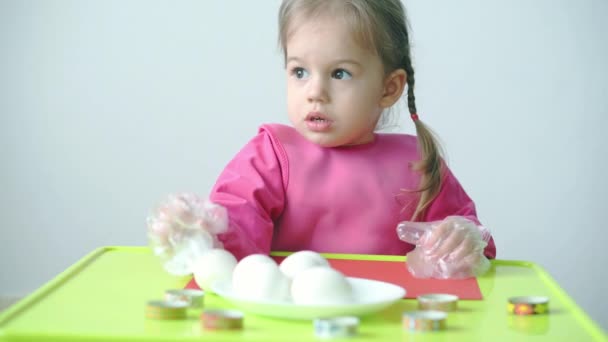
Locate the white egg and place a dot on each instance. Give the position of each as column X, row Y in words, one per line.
column 212, row 266
column 299, row 261
column 257, row 277
column 321, row 286
column 254, row 259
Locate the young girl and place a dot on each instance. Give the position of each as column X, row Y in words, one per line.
column 330, row 183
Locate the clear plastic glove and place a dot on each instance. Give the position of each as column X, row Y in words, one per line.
column 452, row 248
column 182, row 228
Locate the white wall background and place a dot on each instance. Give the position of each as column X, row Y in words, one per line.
column 107, row 106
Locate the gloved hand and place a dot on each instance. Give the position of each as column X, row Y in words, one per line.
column 182, row 228
column 451, row 248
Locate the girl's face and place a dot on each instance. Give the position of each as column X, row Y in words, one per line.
column 334, row 86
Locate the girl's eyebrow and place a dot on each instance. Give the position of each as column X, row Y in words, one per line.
column 292, row 59
column 347, row 61
column 338, row 61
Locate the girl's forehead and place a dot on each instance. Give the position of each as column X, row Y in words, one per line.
column 324, row 34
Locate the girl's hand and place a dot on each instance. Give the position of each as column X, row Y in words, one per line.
column 183, row 228
column 452, row 248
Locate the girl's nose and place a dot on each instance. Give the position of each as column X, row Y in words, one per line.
column 317, row 90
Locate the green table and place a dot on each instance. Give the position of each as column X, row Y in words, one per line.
column 102, row 297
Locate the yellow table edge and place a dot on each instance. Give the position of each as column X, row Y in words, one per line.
column 64, row 276
column 60, row 279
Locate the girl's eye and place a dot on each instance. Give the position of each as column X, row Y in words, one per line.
column 299, row 73
column 341, row 74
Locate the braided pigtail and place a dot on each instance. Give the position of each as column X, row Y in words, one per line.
column 430, row 163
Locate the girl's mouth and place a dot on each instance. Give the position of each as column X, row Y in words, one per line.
column 317, row 117
column 318, row 122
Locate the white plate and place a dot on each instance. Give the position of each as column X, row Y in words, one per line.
column 369, row 296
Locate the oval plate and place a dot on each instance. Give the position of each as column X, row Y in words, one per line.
column 369, row 296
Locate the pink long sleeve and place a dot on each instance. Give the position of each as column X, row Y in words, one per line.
column 251, row 187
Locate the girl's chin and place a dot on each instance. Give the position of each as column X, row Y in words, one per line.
column 321, row 139
column 326, row 139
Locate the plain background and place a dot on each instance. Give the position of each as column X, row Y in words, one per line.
column 108, row 106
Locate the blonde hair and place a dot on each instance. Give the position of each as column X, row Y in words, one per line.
column 382, row 27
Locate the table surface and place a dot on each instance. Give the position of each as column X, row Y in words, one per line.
column 102, row 297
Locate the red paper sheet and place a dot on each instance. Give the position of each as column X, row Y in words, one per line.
column 396, row 272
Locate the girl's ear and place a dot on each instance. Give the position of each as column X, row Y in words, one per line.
column 394, row 85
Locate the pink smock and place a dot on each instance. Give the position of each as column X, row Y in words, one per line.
column 285, row 193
